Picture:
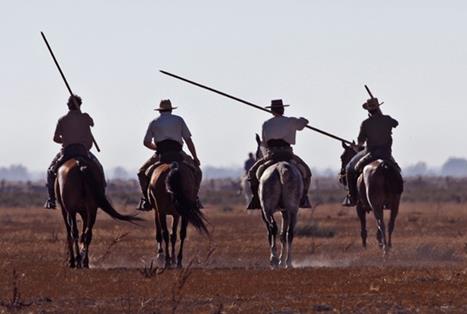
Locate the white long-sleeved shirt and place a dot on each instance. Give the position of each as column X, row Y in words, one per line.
column 283, row 128
column 167, row 127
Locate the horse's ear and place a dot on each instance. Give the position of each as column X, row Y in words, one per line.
column 258, row 139
column 344, row 146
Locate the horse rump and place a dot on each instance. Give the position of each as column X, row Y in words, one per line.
column 394, row 182
column 98, row 193
column 185, row 207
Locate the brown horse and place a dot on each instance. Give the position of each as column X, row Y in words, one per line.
column 79, row 191
column 379, row 187
column 172, row 192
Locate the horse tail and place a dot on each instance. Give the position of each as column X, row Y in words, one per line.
column 98, row 193
column 186, row 208
column 285, row 173
column 393, row 182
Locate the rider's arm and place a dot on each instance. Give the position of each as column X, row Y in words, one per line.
column 191, row 148
column 362, row 136
column 148, row 138
column 90, row 120
column 186, row 135
column 299, row 123
column 58, row 133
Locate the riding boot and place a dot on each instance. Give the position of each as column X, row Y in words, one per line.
column 50, row 203
column 254, row 203
column 144, row 204
column 351, row 198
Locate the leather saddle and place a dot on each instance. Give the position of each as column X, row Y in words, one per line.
column 272, row 159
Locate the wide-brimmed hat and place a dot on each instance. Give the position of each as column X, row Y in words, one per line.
column 372, row 104
column 165, row 104
column 277, row 103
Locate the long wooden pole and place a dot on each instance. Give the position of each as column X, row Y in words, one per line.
column 369, row 92
column 66, row 82
column 249, row 104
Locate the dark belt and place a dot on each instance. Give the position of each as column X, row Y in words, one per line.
column 168, row 146
column 277, row 143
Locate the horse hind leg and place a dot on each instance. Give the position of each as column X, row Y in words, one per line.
column 73, row 241
column 392, row 221
column 159, row 250
column 165, row 237
column 183, row 228
column 71, row 254
column 288, row 228
column 381, row 233
column 272, row 234
column 173, row 238
column 88, row 223
column 362, row 216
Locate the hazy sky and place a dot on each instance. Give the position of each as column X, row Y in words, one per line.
column 316, row 55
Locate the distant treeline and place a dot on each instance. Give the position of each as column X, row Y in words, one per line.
column 226, row 192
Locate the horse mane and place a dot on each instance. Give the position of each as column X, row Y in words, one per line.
column 184, row 206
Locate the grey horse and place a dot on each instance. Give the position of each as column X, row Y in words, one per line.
column 379, row 187
column 280, row 189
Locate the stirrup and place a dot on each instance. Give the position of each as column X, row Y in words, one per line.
column 144, row 205
column 50, row 204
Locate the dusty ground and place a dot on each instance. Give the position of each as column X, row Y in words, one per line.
column 425, row 272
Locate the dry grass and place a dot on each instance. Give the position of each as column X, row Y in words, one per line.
column 425, row 271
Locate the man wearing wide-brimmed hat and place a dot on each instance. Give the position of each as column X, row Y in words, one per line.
column 166, row 134
column 376, row 132
column 278, row 136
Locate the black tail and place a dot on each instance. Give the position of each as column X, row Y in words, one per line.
column 393, row 179
column 101, row 199
column 185, row 207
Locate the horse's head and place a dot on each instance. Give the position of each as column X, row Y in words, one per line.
column 260, row 148
column 346, row 156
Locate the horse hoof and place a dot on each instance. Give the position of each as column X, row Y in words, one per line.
column 160, row 257
column 274, row 261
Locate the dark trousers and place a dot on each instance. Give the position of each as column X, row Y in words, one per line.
column 352, row 174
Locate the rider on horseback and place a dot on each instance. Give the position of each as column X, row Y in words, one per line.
column 166, row 135
column 279, row 134
column 376, row 131
column 73, row 131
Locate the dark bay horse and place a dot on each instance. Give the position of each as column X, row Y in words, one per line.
column 379, row 187
column 79, row 191
column 172, row 193
column 280, row 189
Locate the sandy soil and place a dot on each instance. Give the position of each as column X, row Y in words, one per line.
column 426, row 271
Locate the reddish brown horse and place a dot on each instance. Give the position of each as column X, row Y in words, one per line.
column 379, row 187
column 80, row 191
column 172, row 193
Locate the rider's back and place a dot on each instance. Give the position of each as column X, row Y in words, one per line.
column 75, row 128
column 377, row 131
